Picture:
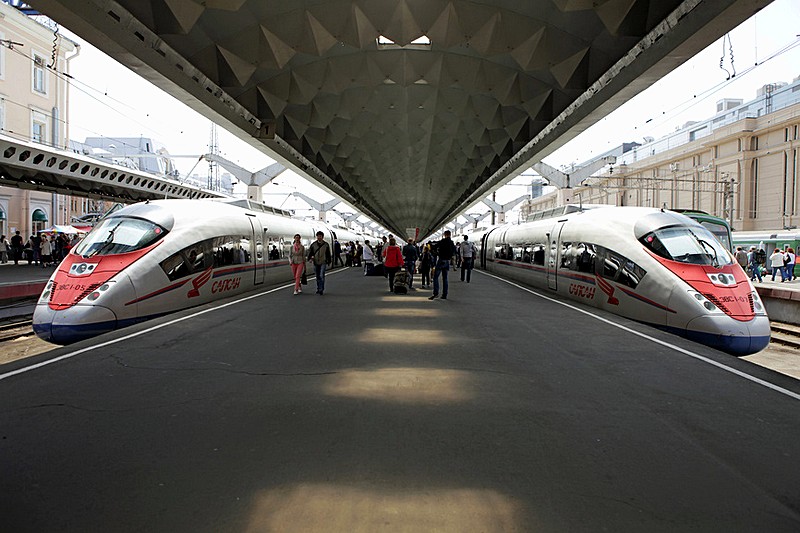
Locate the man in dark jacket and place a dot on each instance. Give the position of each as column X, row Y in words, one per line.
column 16, row 247
column 445, row 251
column 320, row 254
column 410, row 256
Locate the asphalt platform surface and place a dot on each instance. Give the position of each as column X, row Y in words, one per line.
column 499, row 409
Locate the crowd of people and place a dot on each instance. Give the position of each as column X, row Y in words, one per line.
column 757, row 265
column 39, row 249
column 432, row 261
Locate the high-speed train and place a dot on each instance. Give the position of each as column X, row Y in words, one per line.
column 654, row 266
column 154, row 258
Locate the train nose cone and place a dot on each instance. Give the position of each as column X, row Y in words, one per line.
column 73, row 324
column 732, row 336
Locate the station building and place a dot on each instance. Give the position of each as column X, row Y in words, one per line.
column 34, row 106
column 740, row 164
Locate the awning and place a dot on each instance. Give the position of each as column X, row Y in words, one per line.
column 71, row 230
column 39, row 216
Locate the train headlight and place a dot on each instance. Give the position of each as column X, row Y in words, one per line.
column 705, row 302
column 722, row 280
column 758, row 306
column 82, row 269
column 95, row 294
column 45, row 296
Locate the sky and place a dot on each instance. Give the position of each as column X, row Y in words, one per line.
column 109, row 100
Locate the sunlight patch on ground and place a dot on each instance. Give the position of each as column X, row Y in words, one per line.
column 415, row 298
column 407, row 312
column 403, row 336
column 402, row 385
column 318, row 507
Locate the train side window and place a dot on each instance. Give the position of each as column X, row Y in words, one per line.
column 190, row 260
column 586, row 257
column 275, row 246
column 616, row 267
column 567, row 255
column 503, row 251
column 244, row 250
column 538, row 254
column 225, row 250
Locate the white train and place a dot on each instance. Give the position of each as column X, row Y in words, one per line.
column 155, row 258
column 654, row 266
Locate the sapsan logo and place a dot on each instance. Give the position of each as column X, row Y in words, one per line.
column 199, row 281
column 608, row 289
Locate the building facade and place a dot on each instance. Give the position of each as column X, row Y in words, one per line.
column 740, row 164
column 34, row 102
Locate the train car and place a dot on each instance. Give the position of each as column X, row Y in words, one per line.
column 719, row 227
column 654, row 266
column 768, row 241
column 154, row 258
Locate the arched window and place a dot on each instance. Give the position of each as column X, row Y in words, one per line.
column 38, row 221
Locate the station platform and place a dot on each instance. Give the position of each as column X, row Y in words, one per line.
column 498, row 409
column 22, row 281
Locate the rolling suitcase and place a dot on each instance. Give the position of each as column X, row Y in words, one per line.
column 401, row 282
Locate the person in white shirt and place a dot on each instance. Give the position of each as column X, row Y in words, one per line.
column 776, row 262
column 466, row 250
column 368, row 256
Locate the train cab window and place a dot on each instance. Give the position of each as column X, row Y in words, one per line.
column 693, row 245
column 118, row 236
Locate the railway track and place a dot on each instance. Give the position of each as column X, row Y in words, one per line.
column 16, row 329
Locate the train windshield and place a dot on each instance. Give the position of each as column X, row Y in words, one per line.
column 695, row 245
column 118, row 236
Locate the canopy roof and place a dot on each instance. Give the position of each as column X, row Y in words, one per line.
column 410, row 110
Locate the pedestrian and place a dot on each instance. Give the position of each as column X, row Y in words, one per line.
column 369, row 257
column 46, row 251
column 425, row 265
column 34, row 246
column 741, row 258
column 755, row 267
column 16, row 247
column 5, row 248
column 776, row 262
column 337, row 253
column 467, row 252
column 392, row 261
column 789, row 262
column 320, row 254
column 445, row 251
column 410, row 256
column 297, row 261
column 359, row 253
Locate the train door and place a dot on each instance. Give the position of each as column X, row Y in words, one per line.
column 485, row 248
column 257, row 249
column 552, row 259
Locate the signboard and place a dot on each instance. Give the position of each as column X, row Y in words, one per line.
column 412, row 233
